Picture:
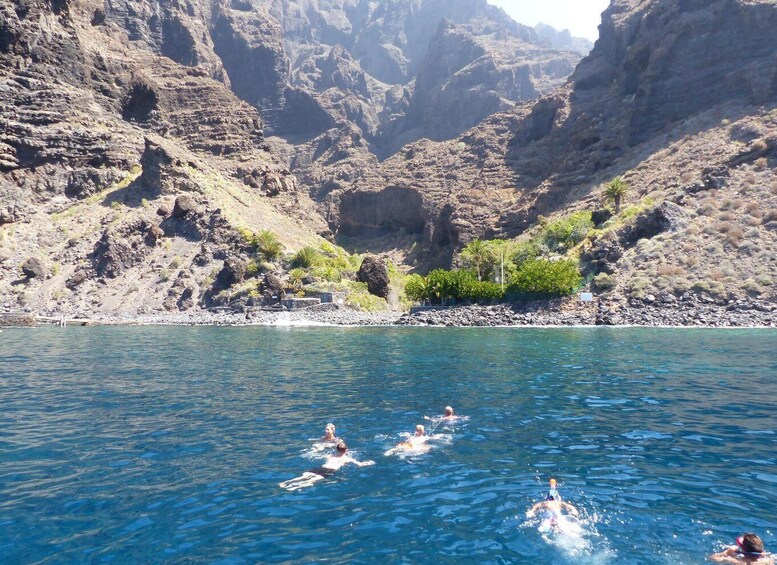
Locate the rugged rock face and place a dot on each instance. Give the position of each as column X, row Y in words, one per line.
column 381, row 65
column 375, row 274
column 687, row 116
column 108, row 112
column 563, row 39
column 132, row 139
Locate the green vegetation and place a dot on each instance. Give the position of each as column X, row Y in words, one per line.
column 615, row 191
column 563, row 234
column 267, row 244
column 253, row 268
column 295, row 278
column 305, row 258
column 550, row 278
column 478, row 255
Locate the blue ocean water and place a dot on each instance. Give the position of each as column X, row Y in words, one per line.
column 166, row 445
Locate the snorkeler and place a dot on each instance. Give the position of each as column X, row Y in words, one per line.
column 553, row 507
column 330, row 466
column 749, row 548
column 329, row 434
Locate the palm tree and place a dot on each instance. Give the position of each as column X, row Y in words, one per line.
column 268, row 245
column 478, row 255
column 305, row 257
column 614, row 191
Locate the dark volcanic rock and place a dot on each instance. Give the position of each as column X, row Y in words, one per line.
column 664, row 217
column 120, row 248
column 77, row 279
column 271, row 286
column 374, row 272
column 231, row 273
column 184, row 205
column 603, row 254
column 33, row 268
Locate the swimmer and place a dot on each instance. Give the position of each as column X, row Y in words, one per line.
column 553, row 508
column 420, row 436
column 449, row 415
column 330, row 466
column 749, row 548
column 329, row 434
column 415, row 443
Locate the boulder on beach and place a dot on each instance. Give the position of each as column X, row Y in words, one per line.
column 374, row 272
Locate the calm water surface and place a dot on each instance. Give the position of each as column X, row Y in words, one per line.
column 150, row 444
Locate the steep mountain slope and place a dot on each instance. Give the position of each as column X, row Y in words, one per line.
column 679, row 98
column 133, row 152
column 101, row 133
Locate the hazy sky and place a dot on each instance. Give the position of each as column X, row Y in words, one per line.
column 581, row 17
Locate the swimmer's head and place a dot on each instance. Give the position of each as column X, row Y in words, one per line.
column 448, row 411
column 750, row 544
column 553, row 493
column 341, row 447
column 419, row 430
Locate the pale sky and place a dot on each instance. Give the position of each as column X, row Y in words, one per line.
column 580, row 17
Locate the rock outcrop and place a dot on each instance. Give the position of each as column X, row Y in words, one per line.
column 374, row 273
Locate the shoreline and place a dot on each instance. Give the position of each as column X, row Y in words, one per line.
column 649, row 312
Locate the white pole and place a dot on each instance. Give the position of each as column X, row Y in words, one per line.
column 502, row 278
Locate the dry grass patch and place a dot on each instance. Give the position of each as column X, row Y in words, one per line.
column 760, row 164
column 669, row 270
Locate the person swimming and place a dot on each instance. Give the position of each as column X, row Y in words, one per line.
column 449, row 415
column 330, row 466
column 415, row 443
column 749, row 549
column 329, row 434
column 553, row 510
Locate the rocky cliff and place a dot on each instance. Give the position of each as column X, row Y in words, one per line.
column 678, row 98
column 126, row 161
column 140, row 139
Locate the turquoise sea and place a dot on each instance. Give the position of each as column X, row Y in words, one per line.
column 167, row 444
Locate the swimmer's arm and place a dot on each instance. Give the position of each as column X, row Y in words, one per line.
column 727, row 556
column 360, row 463
column 534, row 508
column 572, row 509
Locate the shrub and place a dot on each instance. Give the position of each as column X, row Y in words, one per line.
column 603, row 282
column 761, row 163
column 305, row 258
column 565, row 233
column 253, row 268
column 327, row 273
column 638, row 287
column 669, row 270
column 526, row 251
column 295, row 278
column 760, row 145
column 752, row 288
column 734, row 236
column 416, row 288
column 441, row 285
column 553, row 278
